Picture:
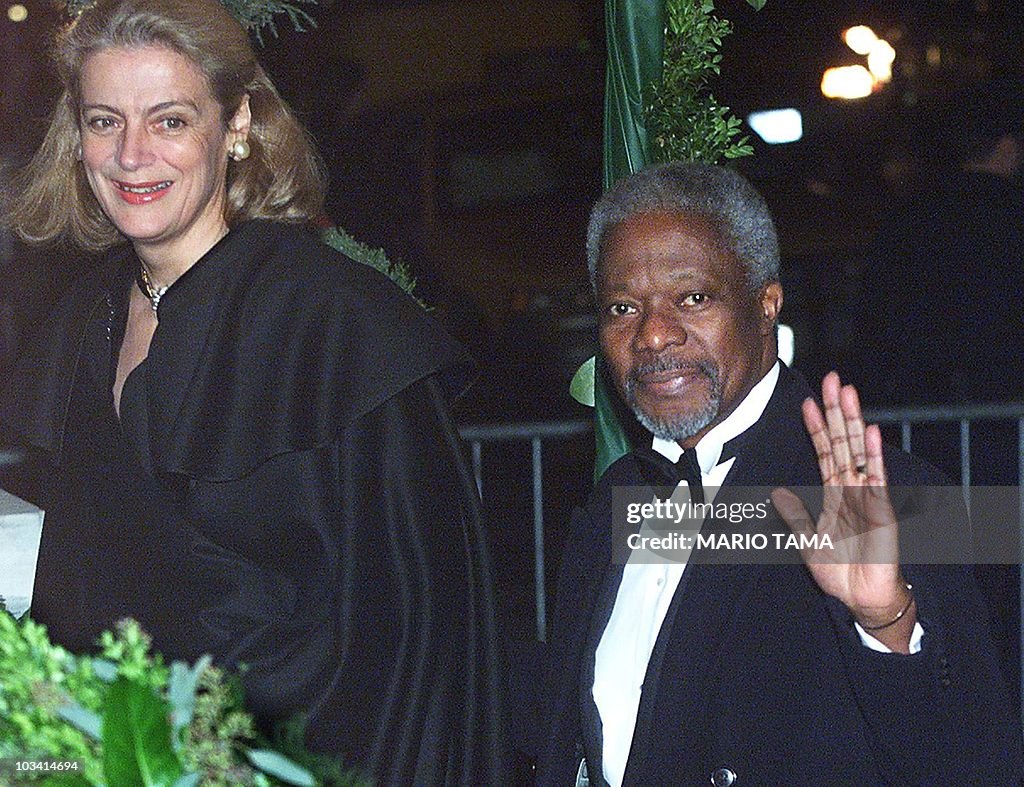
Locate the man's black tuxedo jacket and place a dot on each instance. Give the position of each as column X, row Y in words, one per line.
column 756, row 670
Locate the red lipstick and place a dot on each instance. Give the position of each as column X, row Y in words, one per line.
column 142, row 193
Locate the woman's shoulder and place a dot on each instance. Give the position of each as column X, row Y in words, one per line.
column 294, row 285
column 293, row 255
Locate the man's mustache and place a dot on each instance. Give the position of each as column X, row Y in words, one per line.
column 670, row 364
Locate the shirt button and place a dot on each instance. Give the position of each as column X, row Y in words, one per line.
column 722, row 777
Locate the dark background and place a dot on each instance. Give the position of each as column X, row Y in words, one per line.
column 464, row 138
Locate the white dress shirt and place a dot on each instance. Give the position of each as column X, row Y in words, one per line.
column 646, row 590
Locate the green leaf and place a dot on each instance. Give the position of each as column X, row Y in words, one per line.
column 757, row 5
column 181, row 692
column 137, row 749
column 281, row 767
column 189, row 780
column 85, row 720
column 582, row 386
column 612, row 441
column 104, row 670
column 67, row 780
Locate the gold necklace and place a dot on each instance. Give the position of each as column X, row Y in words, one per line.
column 154, row 294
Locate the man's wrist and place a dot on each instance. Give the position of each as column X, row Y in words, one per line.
column 878, row 619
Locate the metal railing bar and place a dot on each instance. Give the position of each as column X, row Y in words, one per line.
column 476, row 453
column 905, row 436
column 965, row 460
column 1020, row 513
column 905, row 417
column 945, row 413
column 538, row 541
column 526, row 430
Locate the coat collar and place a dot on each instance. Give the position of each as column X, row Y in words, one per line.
column 272, row 342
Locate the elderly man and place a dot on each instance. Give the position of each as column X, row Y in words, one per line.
column 694, row 670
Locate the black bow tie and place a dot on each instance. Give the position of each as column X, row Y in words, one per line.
column 665, row 475
column 659, row 470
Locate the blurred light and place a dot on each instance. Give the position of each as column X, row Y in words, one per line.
column 17, row 13
column 860, row 39
column 880, row 60
column 777, row 126
column 847, row 82
column 933, row 55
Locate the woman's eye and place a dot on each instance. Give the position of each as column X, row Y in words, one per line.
column 101, row 123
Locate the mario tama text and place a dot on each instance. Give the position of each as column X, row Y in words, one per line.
column 932, row 525
column 727, row 541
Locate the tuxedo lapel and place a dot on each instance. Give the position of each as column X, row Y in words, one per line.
column 604, row 603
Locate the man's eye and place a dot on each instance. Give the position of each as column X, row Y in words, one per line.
column 620, row 309
column 172, row 124
column 694, row 299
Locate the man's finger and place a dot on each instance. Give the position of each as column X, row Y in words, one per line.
column 818, row 431
column 875, row 459
column 849, row 402
column 830, row 396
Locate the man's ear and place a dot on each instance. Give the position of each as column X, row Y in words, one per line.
column 770, row 304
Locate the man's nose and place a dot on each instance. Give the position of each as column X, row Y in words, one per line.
column 135, row 148
column 658, row 330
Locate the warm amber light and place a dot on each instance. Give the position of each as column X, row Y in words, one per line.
column 880, row 60
column 860, row 39
column 847, row 82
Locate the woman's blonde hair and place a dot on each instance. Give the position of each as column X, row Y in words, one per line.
column 281, row 179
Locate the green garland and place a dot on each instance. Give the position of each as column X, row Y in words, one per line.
column 685, row 121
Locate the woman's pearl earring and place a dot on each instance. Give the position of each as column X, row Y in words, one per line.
column 240, row 150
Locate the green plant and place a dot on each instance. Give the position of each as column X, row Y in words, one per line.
column 684, row 120
column 253, row 15
column 337, row 238
column 125, row 719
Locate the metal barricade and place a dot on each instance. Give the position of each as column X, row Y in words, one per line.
column 907, row 418
column 535, row 434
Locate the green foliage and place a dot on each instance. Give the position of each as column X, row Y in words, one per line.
column 128, row 648
column 218, row 725
column 254, row 15
column 337, row 238
column 37, row 679
column 137, row 748
column 685, row 121
column 582, row 386
column 125, row 718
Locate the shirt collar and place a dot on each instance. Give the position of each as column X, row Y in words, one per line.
column 746, row 414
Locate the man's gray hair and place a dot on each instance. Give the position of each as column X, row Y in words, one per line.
column 720, row 195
